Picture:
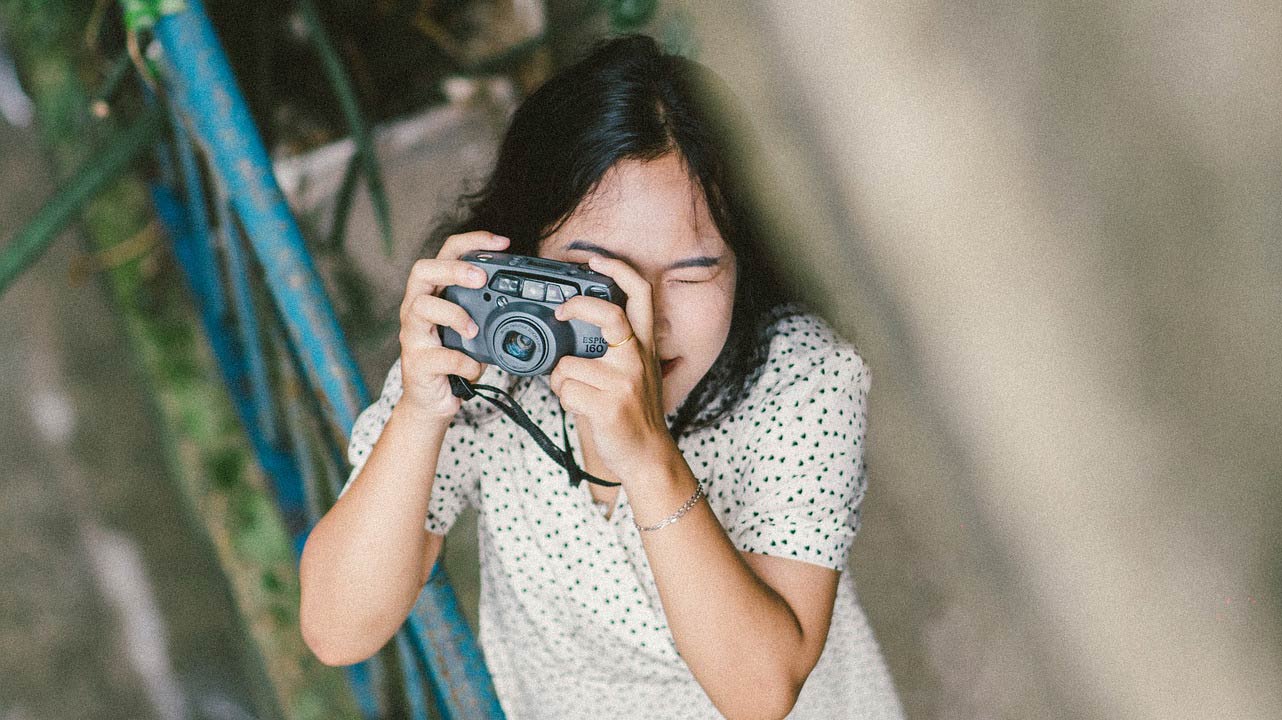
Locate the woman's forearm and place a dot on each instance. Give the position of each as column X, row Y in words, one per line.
column 364, row 563
column 740, row 639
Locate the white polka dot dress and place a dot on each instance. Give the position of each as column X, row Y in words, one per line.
column 570, row 619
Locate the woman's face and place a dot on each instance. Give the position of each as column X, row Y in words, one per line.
column 651, row 215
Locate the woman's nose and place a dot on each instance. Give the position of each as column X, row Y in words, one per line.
column 662, row 312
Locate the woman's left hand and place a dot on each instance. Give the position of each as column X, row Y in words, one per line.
column 620, row 394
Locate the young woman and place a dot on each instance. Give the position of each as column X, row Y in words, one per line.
column 710, row 583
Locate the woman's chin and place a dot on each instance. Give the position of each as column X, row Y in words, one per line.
column 670, row 401
column 673, row 397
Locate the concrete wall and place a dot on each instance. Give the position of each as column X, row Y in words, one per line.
column 1054, row 231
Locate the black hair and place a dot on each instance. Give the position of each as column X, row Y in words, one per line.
column 627, row 99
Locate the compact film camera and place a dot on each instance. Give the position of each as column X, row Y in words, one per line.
column 514, row 311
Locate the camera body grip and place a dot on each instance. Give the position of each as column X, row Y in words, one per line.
column 515, row 312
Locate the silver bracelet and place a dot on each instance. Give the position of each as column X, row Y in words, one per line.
column 698, row 493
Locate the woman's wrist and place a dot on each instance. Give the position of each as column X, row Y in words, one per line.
column 659, row 484
column 421, row 417
column 658, row 465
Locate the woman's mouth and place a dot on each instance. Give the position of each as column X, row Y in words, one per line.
column 667, row 365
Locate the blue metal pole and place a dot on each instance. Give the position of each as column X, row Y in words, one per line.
column 278, row 465
column 238, row 278
column 203, row 88
column 415, row 690
column 452, row 654
column 204, row 269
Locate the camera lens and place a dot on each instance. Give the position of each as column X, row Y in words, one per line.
column 519, row 345
column 526, row 339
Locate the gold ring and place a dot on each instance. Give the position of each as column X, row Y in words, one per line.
column 614, row 345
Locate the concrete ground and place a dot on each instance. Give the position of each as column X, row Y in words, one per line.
column 111, row 605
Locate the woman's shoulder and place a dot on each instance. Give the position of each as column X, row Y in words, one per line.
column 805, row 350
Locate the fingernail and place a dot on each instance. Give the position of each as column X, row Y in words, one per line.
column 472, row 329
column 478, row 275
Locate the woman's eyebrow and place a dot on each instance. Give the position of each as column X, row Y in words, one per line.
column 701, row 261
column 594, row 248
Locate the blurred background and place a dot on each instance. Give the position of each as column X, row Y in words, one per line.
column 1053, row 231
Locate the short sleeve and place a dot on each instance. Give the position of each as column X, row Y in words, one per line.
column 456, row 483
column 806, row 477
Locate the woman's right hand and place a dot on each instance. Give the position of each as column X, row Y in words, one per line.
column 425, row 362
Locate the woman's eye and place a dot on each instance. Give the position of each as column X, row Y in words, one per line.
column 696, row 276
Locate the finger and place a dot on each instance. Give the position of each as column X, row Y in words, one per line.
column 456, row 246
column 429, row 275
column 585, row 370
column 611, row 318
column 447, row 361
column 578, row 398
column 640, row 307
column 427, row 311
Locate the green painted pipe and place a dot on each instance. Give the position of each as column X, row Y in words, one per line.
column 360, row 133
column 33, row 239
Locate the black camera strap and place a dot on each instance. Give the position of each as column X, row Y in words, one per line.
column 565, row 458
